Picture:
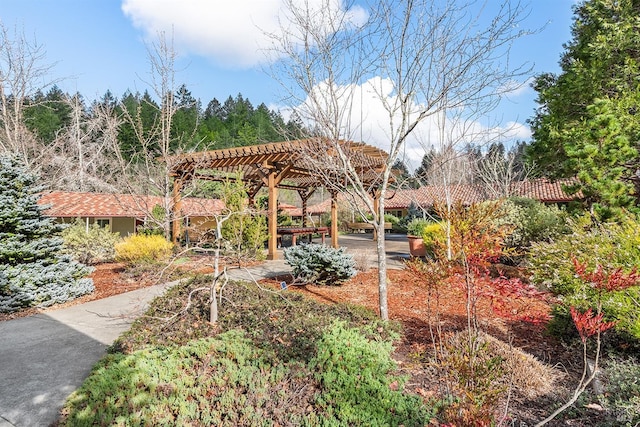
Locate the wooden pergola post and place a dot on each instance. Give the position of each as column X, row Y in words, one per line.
column 334, row 219
column 176, row 212
column 304, row 195
column 272, row 216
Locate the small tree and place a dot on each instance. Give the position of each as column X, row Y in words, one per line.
column 590, row 324
column 33, row 270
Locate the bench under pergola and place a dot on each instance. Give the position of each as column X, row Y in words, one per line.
column 301, row 165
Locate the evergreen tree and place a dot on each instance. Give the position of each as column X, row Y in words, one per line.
column 185, row 120
column 401, row 173
column 33, row 271
column 598, row 84
column 46, row 114
column 421, row 174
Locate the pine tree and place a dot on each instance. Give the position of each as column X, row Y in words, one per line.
column 597, row 86
column 33, row 270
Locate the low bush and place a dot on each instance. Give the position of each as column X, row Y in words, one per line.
column 608, row 246
column 89, row 245
column 531, row 221
column 224, row 381
column 622, row 390
column 357, row 389
column 417, row 226
column 320, row 264
column 139, row 248
column 257, row 366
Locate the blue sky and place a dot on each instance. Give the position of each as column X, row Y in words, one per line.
column 99, row 45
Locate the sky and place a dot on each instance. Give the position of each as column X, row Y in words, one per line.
column 99, row 45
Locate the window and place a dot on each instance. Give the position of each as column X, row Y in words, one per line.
column 104, row 222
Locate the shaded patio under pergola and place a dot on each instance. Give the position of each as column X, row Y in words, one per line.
column 280, row 165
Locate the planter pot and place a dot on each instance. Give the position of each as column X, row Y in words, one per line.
column 416, row 246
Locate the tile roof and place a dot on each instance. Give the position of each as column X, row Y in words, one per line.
column 540, row 189
column 65, row 204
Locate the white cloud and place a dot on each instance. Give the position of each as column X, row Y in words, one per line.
column 232, row 33
column 370, row 122
column 515, row 88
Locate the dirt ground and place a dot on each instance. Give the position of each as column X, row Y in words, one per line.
column 409, row 302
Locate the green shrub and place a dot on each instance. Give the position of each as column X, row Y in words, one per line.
column 357, row 388
column 320, row 264
column 610, row 246
column 417, row 226
column 224, row 381
column 622, row 390
column 391, row 219
column 140, row 248
column 153, row 226
column 532, row 221
column 256, row 367
column 89, row 245
column 244, row 236
column 244, row 233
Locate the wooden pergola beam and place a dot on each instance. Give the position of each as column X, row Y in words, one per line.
column 274, row 165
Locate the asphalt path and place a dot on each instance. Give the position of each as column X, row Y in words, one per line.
column 45, row 357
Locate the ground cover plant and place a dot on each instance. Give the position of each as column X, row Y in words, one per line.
column 529, row 354
column 274, row 358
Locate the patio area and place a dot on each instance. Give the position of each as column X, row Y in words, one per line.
column 363, row 248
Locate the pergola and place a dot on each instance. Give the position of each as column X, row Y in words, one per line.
column 301, row 165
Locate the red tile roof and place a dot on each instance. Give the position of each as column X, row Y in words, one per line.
column 539, row 189
column 72, row 205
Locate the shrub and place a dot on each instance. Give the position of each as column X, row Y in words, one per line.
column 417, row 226
column 243, row 232
column 532, row 221
column 320, row 264
column 153, row 226
column 33, row 269
column 433, row 236
column 225, row 381
column 89, row 245
column 413, row 212
column 140, row 248
column 244, row 236
column 609, row 246
column 357, row 389
column 622, row 390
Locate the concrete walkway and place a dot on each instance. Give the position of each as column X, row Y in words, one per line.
column 45, row 357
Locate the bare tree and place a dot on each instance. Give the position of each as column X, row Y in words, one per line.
column 22, row 74
column 82, row 157
column 416, row 59
column 149, row 168
column 502, row 174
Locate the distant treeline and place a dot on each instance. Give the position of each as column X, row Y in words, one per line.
column 234, row 122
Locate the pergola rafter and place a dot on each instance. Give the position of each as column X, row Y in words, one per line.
column 287, row 165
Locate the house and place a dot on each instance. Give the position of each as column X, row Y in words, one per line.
column 124, row 213
column 397, row 202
